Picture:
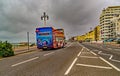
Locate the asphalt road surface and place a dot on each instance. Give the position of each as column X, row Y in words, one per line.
column 73, row 60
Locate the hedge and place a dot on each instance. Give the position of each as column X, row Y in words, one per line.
column 6, row 49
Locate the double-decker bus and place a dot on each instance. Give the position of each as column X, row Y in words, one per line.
column 48, row 37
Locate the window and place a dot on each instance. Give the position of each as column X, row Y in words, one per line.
column 43, row 33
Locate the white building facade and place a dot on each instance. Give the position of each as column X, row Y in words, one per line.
column 110, row 22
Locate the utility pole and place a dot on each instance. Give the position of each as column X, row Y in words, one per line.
column 44, row 18
column 28, row 39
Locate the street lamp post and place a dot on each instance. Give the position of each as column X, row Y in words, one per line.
column 44, row 18
column 28, row 39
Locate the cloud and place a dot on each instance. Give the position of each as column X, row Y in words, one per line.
column 75, row 16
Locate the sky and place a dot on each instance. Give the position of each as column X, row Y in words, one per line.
column 76, row 17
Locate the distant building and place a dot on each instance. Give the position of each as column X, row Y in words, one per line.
column 108, row 26
column 97, row 33
column 93, row 35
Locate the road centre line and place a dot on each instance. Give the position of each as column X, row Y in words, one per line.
column 68, row 70
column 110, row 64
column 89, row 57
column 49, row 53
column 24, row 61
column 94, row 66
column 80, row 52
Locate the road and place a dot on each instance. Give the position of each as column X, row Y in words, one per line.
column 110, row 53
column 73, row 60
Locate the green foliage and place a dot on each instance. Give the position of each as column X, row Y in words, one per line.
column 6, row 49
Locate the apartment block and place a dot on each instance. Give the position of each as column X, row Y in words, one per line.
column 109, row 23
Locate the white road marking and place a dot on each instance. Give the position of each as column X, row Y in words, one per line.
column 99, row 52
column 86, row 52
column 117, row 49
column 88, row 57
column 68, row 45
column 111, row 57
column 81, row 45
column 93, row 53
column 95, row 50
column 24, row 61
column 105, row 54
column 80, row 52
column 49, row 53
column 87, row 49
column 115, row 60
column 94, row 66
column 68, row 70
column 110, row 48
column 110, row 64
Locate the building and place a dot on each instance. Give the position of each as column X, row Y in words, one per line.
column 108, row 26
column 93, row 35
column 116, row 22
column 97, row 33
column 81, row 38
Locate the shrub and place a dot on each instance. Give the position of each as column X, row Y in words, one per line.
column 6, row 49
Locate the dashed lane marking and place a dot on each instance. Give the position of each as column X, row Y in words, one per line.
column 24, row 61
column 89, row 57
column 110, row 64
column 94, row 66
column 49, row 53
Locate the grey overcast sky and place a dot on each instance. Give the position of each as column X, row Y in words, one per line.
column 76, row 16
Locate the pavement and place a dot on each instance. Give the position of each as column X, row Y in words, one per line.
column 73, row 60
column 25, row 49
